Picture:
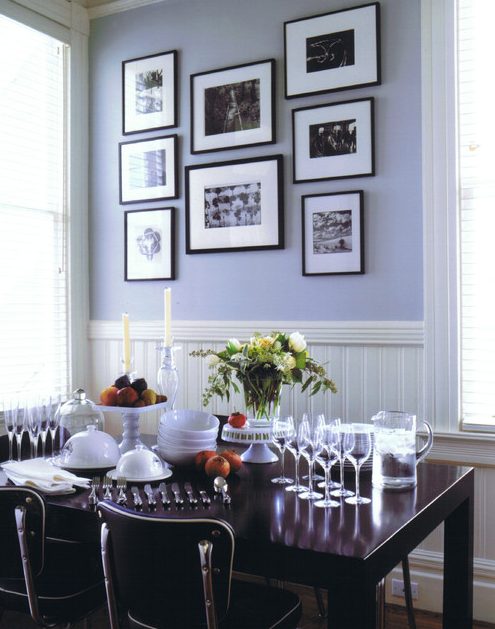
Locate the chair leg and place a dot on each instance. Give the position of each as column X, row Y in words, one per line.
column 322, row 612
column 406, row 575
column 380, row 605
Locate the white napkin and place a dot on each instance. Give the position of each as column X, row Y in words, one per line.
column 43, row 475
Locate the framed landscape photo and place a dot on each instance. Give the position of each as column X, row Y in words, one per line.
column 150, row 244
column 149, row 93
column 148, row 169
column 333, row 51
column 235, row 206
column 233, row 107
column 333, row 141
column 333, row 233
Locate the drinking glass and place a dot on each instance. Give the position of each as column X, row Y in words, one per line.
column 45, row 405
column 307, row 436
column 357, row 446
column 54, row 418
column 293, row 447
column 282, row 430
column 34, row 427
column 320, row 421
column 342, row 492
column 9, row 420
column 20, row 426
column 327, row 453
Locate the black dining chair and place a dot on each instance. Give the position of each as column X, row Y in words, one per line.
column 56, row 581
column 173, row 573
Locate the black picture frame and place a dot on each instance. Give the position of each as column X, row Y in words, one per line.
column 235, row 205
column 333, row 51
column 233, row 107
column 332, row 233
column 149, row 244
column 149, row 93
column 333, row 141
column 148, row 169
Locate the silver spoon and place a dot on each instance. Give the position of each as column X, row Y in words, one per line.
column 221, row 487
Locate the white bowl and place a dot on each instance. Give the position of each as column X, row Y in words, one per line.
column 185, row 441
column 212, row 445
column 189, row 435
column 189, row 423
column 176, row 457
column 139, row 463
column 90, row 448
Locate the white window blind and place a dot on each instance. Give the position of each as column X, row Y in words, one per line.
column 476, row 151
column 34, row 334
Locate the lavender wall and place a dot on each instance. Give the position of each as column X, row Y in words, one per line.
column 260, row 285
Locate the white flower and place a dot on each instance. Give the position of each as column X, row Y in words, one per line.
column 213, row 360
column 234, row 344
column 297, row 342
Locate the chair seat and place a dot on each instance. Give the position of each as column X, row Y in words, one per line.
column 252, row 606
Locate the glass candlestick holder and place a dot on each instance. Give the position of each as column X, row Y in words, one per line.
column 128, row 370
column 168, row 376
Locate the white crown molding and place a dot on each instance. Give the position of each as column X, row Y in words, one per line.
column 117, row 6
column 403, row 333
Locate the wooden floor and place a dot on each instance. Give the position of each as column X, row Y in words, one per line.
column 395, row 617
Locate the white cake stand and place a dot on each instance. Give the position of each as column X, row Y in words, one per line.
column 130, row 422
column 256, row 433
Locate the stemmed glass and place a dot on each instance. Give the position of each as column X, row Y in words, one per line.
column 9, row 419
column 20, row 426
column 54, row 419
column 34, row 426
column 45, row 410
column 293, row 446
column 342, row 492
column 282, row 430
column 357, row 446
column 307, row 436
column 320, row 421
column 327, row 453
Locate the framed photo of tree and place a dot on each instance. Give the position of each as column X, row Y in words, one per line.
column 148, row 169
column 333, row 51
column 150, row 244
column 235, row 206
column 333, row 233
column 233, row 107
column 149, row 93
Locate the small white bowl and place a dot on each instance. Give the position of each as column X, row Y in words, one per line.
column 139, row 463
column 188, row 435
column 189, row 422
column 90, row 448
column 188, row 443
column 176, row 457
column 212, row 445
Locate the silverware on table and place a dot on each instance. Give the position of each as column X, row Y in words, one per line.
column 121, row 487
column 190, row 496
column 150, row 495
column 136, row 497
column 162, row 488
column 107, row 487
column 220, row 485
column 93, row 494
column 204, row 497
column 176, row 492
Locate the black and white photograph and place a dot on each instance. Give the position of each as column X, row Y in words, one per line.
column 332, row 233
column 149, row 92
column 333, row 51
column 235, row 206
column 149, row 244
column 148, row 169
column 333, row 141
column 233, row 107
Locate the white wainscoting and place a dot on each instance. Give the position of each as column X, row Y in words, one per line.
column 375, row 365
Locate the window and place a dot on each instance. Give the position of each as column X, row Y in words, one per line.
column 34, row 313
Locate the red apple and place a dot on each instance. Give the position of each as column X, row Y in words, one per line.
column 108, row 397
column 236, row 419
column 127, row 396
column 201, row 458
column 233, row 458
column 217, row 466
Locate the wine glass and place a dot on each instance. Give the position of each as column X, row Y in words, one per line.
column 293, row 447
column 357, row 446
column 34, row 427
column 9, row 420
column 307, row 436
column 342, row 492
column 327, row 453
column 282, row 429
column 20, row 426
column 45, row 409
column 54, row 419
column 320, row 421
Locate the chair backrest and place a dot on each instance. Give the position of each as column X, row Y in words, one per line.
column 157, row 565
column 29, row 504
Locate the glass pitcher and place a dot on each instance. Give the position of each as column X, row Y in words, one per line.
column 395, row 455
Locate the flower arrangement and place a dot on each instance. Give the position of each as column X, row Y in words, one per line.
column 262, row 365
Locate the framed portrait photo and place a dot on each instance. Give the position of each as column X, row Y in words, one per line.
column 333, row 51
column 148, row 169
column 235, row 206
column 150, row 244
column 233, row 107
column 333, row 233
column 333, row 141
column 149, row 93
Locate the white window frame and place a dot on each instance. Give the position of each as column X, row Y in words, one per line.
column 68, row 22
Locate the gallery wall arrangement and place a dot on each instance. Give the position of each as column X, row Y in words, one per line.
column 238, row 205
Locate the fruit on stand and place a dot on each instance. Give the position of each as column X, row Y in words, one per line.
column 217, row 466
column 201, row 458
column 127, row 396
column 140, row 385
column 237, row 419
column 134, row 394
column 108, row 397
column 233, row 458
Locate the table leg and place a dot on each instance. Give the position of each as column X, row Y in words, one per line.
column 352, row 604
column 458, row 568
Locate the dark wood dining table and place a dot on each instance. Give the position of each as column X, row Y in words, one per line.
column 345, row 550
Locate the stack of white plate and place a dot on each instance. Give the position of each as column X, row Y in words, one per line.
column 183, row 433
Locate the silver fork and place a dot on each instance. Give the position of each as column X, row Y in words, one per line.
column 93, row 494
column 107, row 486
column 121, row 487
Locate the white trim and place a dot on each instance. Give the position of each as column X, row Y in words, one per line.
column 403, row 333
column 56, row 10
column 439, row 229
column 117, row 6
